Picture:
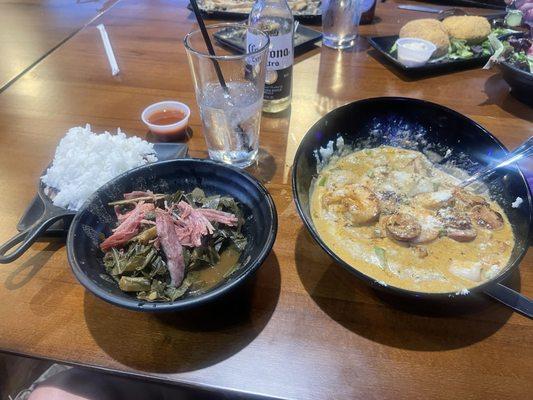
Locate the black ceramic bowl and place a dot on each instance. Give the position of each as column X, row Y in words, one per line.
column 419, row 125
column 96, row 217
column 521, row 82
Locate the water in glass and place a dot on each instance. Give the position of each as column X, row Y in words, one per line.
column 340, row 19
column 231, row 121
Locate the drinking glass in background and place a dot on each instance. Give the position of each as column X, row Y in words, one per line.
column 230, row 117
column 340, row 19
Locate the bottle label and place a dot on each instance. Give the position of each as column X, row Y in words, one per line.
column 278, row 83
column 253, row 43
column 279, row 66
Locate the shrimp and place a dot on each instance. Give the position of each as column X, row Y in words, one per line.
column 356, row 203
column 486, row 217
column 469, row 199
column 430, row 226
column 390, row 201
column 434, row 200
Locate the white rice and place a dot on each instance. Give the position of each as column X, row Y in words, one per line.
column 84, row 161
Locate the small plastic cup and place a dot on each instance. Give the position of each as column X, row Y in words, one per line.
column 413, row 52
column 159, row 118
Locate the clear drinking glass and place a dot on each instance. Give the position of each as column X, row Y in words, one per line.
column 340, row 19
column 231, row 115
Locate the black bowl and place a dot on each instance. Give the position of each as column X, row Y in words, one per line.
column 386, row 120
column 96, row 218
column 521, row 82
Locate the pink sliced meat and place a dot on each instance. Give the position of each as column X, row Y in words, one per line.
column 121, row 217
column 219, row 216
column 194, row 223
column 191, row 225
column 128, row 228
column 171, row 246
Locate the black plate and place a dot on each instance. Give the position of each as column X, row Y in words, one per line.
column 164, row 151
column 42, row 214
column 95, row 218
column 384, row 43
column 234, row 37
column 495, row 4
column 304, row 18
column 372, row 122
column 521, row 82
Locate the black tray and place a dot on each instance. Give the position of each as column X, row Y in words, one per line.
column 164, row 151
column 494, row 4
column 384, row 43
column 234, row 37
column 304, row 18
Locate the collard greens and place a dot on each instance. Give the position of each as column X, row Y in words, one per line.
column 140, row 266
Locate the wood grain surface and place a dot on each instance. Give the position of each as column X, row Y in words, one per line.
column 30, row 29
column 303, row 327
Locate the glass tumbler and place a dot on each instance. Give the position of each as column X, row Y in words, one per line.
column 340, row 20
column 229, row 89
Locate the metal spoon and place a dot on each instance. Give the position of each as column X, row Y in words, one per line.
column 522, row 151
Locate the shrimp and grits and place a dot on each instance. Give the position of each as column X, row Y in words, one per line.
column 396, row 217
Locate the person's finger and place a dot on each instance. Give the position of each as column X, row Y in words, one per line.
column 53, row 393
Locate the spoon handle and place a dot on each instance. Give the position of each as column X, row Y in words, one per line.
column 522, row 151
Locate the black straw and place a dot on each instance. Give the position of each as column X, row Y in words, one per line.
column 211, row 51
column 208, row 44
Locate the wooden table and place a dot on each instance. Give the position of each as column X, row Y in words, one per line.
column 303, row 328
column 31, row 29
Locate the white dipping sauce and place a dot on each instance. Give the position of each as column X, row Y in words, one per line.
column 414, row 52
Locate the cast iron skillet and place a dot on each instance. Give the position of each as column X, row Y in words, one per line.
column 18, row 244
column 386, row 120
column 96, row 218
column 42, row 213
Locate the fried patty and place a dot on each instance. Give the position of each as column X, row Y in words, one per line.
column 473, row 29
column 428, row 29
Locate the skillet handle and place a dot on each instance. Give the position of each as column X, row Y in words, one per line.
column 511, row 298
column 26, row 238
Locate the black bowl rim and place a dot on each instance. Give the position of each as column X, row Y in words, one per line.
column 138, row 305
column 515, row 70
column 368, row 279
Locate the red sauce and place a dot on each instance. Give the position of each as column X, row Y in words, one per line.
column 166, row 117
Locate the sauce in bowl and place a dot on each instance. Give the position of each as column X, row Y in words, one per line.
column 413, row 52
column 394, row 216
column 166, row 117
column 167, row 120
